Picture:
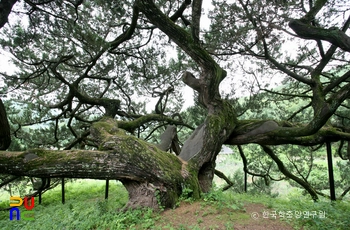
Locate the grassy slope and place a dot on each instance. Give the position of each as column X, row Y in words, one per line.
column 86, row 208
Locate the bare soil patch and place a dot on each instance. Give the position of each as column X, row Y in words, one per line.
column 198, row 215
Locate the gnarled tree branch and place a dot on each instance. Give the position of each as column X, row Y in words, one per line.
column 196, row 17
column 288, row 174
column 5, row 10
column 334, row 36
column 140, row 166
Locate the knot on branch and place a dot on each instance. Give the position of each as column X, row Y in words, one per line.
column 29, row 157
column 111, row 106
column 253, row 131
column 169, row 140
column 193, row 144
column 161, row 105
column 190, row 80
column 102, row 130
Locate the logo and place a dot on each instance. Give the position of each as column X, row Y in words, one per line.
column 15, row 202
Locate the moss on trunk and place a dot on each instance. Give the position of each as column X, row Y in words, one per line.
column 152, row 177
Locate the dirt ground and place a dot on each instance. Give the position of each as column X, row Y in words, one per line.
column 201, row 216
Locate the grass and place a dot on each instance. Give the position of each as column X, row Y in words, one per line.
column 86, row 208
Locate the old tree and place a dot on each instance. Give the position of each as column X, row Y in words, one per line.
column 85, row 68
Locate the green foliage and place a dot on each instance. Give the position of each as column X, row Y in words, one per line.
column 158, row 197
column 344, row 170
column 222, row 200
column 335, row 212
column 186, row 195
column 129, row 219
column 304, row 162
column 212, row 196
column 258, row 186
column 330, row 215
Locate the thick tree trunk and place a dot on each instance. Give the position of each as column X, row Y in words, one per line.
column 206, row 141
column 201, row 149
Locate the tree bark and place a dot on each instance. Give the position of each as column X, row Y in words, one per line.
column 5, row 137
column 267, row 132
column 152, row 177
column 5, row 10
column 201, row 149
column 334, row 35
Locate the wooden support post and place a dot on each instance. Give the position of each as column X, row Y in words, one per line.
column 245, row 167
column 39, row 197
column 107, row 188
column 330, row 171
column 245, row 181
column 63, row 194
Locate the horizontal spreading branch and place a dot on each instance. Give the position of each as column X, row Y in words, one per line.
column 138, row 122
column 144, row 169
column 266, row 132
column 305, row 28
column 334, row 36
column 121, row 164
column 128, row 33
